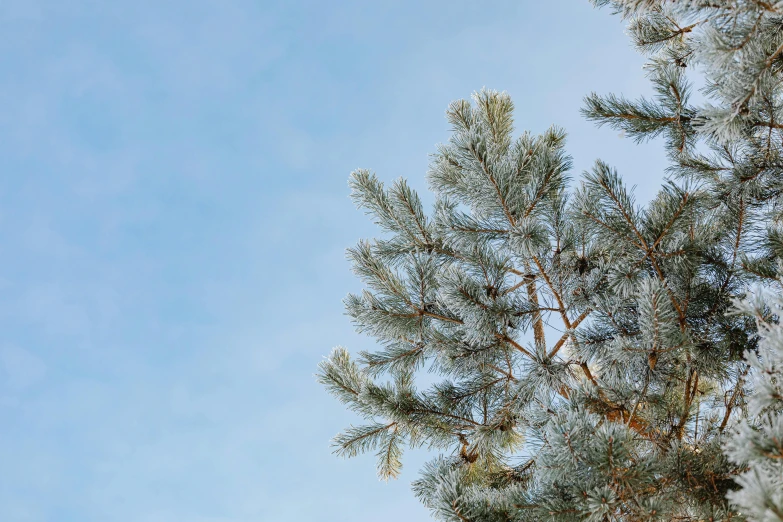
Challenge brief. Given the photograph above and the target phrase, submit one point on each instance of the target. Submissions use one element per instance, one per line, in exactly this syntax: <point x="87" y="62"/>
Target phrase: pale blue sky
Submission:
<point x="173" y="219"/>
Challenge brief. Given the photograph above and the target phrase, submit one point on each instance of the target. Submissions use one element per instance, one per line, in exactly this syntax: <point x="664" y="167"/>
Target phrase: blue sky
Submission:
<point x="174" y="215"/>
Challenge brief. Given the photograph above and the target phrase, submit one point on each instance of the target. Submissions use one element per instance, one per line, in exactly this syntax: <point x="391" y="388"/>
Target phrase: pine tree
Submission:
<point x="592" y="366"/>
<point x="758" y="441"/>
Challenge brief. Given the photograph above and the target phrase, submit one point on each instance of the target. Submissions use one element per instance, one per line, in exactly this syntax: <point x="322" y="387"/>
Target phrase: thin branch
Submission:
<point x="639" y="400"/>
<point x="555" y="293"/>
<point x="568" y="334"/>
<point x="730" y="404"/>
<point x="514" y="344"/>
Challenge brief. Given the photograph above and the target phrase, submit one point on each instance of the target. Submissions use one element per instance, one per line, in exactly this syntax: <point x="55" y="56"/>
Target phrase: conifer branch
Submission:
<point x="440" y="317"/>
<point x="493" y="181"/>
<point x="458" y="512"/>
<point x="344" y="445"/>
<point x="734" y="396"/>
<point x="538" y="322"/>
<point x="639" y="400"/>
<point x="513" y="343"/>
<point x="752" y="91"/>
<point x="660" y="277"/>
<point x="571" y="327"/>
<point x="561" y="305"/>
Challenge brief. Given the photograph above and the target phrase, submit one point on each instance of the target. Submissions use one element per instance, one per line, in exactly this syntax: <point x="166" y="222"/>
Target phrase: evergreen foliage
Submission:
<point x="758" y="441"/>
<point x="623" y="413"/>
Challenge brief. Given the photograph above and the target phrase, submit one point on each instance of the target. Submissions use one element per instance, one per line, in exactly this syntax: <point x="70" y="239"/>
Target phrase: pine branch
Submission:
<point x="570" y="326"/>
<point x="734" y="396"/>
<point x="513" y="343"/>
<point x="538" y="322"/>
<point x="561" y="305"/>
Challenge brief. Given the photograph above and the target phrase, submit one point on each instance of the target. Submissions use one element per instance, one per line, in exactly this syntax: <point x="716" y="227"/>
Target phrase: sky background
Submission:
<point x="173" y="221"/>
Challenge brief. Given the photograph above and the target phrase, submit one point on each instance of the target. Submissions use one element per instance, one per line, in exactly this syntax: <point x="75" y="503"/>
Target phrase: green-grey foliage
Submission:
<point x="622" y="414"/>
<point x="757" y="441"/>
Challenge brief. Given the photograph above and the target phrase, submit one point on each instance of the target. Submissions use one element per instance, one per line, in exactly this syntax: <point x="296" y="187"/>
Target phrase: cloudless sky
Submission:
<point x="173" y="220"/>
